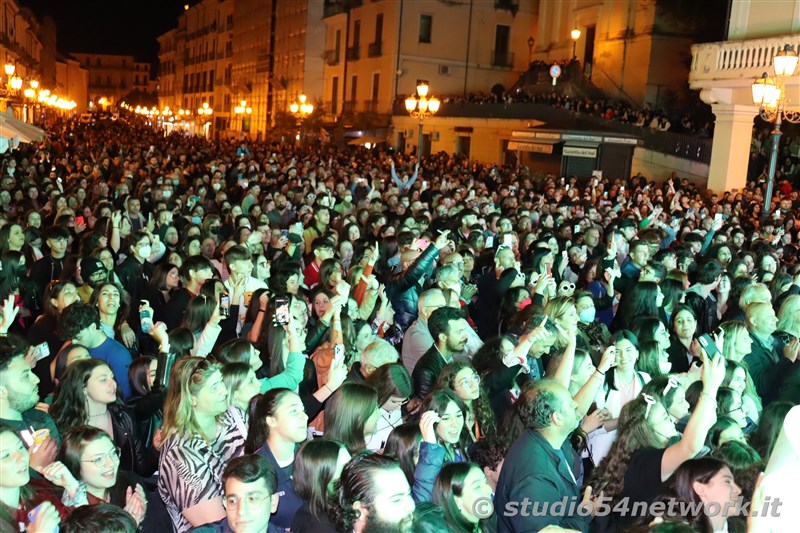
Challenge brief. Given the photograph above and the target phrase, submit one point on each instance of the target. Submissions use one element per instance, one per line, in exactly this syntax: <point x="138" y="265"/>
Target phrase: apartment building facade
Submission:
<point x="225" y="52"/>
<point x="379" y="50"/>
<point x="112" y="77"/>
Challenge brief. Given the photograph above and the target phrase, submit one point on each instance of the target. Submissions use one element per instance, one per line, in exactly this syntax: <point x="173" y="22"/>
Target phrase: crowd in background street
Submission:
<point x="229" y="335"/>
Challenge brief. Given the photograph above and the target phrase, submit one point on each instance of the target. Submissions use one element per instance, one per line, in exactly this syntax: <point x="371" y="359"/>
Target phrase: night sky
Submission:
<point x="110" y="26"/>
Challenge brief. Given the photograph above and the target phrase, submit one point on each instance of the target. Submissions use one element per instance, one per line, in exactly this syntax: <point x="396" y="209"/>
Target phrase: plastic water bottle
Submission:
<point x="146" y="320"/>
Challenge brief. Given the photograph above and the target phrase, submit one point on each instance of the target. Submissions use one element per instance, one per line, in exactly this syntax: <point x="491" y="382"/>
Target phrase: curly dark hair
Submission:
<point x="481" y="408"/>
<point x="488" y="452"/>
<point x="633" y="434"/>
<point x="357" y="484"/>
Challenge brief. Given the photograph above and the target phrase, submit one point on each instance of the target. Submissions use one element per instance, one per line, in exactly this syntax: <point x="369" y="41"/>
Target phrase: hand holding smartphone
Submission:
<point x="282" y="311"/>
<point x="708" y="344"/>
<point x="224" y="305"/>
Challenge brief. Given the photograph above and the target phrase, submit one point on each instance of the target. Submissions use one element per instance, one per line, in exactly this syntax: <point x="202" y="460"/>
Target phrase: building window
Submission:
<point x="356" y="34"/>
<point x="502" y="37"/>
<point x="335" y="95"/>
<point x="379" y="28"/>
<point x="376" y="84"/>
<point x="353" y="89"/>
<point x="337" y="47"/>
<point x="425" y="28"/>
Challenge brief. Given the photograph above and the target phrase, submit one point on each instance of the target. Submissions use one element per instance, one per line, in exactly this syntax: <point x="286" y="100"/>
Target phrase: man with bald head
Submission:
<point x="418" y="339"/>
<point x="755" y="292"/>
<point x="540" y="464"/>
<point x="768" y="364"/>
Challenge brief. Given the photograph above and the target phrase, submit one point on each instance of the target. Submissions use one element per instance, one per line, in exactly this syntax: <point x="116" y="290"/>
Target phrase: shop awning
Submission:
<point x="541" y="146"/>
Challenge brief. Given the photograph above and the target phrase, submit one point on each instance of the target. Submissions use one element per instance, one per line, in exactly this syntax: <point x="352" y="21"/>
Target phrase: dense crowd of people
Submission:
<point x="189" y="327"/>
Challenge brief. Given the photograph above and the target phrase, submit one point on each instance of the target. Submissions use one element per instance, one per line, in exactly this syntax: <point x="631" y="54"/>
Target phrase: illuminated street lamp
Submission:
<point x="301" y="109"/>
<point x="421" y="108"/>
<point x="242" y="108"/>
<point x="770" y="95"/>
<point x="205" y="110"/>
<point x="10" y="69"/>
<point x="575" y="34"/>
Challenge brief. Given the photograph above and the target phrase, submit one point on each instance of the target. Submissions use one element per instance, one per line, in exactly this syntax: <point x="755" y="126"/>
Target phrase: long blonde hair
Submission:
<point x="556" y="309"/>
<point x="187" y="378"/>
<point x="732" y="330"/>
<point x="787" y="315"/>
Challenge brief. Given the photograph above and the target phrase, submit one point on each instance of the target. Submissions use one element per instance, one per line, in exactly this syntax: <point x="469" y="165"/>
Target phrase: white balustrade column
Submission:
<point x="730" y="153"/>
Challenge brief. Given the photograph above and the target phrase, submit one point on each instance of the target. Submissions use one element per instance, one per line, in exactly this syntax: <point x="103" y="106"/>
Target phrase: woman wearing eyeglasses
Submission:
<point x="461" y="378"/>
<point x="200" y="434"/>
<point x="88" y="469"/>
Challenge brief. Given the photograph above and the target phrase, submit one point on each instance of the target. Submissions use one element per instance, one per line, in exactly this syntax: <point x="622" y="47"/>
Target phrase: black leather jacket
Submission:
<point x="132" y="450"/>
<point x="147" y="416"/>
<point x="426" y="372"/>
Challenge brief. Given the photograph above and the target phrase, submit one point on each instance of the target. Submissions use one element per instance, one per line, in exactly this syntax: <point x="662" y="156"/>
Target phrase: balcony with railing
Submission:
<point x="682" y="145"/>
<point x="735" y="63"/>
<point x="331" y="58"/>
<point x="502" y="59"/>
<point x="353" y="53"/>
<point x="371" y="106"/>
<point x="375" y="49"/>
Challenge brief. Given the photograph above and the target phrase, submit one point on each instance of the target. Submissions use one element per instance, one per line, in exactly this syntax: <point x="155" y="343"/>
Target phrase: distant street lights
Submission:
<point x="244" y="111"/>
<point x="770" y="95"/>
<point x="421" y="108"/>
<point x="575" y="34"/>
<point x="531" y="41"/>
<point x="301" y="109"/>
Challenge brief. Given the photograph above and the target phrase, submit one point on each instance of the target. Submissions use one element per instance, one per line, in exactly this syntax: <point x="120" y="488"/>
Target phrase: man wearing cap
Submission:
<point x="93" y="273"/>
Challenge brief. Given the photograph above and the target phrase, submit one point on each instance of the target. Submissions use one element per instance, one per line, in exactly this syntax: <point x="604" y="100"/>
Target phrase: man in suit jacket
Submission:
<point x="768" y="366"/>
<point x="537" y="472"/>
<point x="449" y="330"/>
